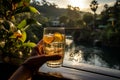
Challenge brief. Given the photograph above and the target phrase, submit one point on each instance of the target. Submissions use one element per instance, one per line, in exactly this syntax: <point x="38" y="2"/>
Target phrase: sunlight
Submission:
<point x="78" y="3"/>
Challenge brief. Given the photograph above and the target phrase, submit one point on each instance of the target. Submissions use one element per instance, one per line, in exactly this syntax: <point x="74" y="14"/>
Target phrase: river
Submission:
<point x="99" y="56"/>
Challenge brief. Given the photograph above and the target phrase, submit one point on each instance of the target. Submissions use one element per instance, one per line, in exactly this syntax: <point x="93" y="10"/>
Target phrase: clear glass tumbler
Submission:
<point x="54" y="43"/>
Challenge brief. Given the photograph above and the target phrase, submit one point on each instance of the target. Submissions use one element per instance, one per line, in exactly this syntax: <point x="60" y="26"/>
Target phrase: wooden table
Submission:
<point x="80" y="71"/>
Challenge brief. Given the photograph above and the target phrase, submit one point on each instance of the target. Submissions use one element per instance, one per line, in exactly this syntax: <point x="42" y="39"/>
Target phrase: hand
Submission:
<point x="38" y="58"/>
<point x="32" y="64"/>
<point x="38" y="49"/>
<point x="35" y="62"/>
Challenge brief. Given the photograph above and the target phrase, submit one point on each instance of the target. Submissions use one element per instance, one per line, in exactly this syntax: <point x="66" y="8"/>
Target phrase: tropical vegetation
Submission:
<point x="14" y="46"/>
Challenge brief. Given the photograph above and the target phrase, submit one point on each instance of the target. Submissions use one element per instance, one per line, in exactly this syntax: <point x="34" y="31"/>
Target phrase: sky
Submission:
<point x="82" y="4"/>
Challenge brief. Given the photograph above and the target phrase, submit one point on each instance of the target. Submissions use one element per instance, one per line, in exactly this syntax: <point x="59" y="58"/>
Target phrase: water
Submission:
<point x="90" y="54"/>
<point x="98" y="56"/>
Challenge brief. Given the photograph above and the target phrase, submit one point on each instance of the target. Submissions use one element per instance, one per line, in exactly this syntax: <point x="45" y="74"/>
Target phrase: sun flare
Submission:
<point x="78" y="3"/>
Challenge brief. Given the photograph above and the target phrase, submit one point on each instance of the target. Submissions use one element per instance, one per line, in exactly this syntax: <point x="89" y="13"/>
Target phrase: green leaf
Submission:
<point x="22" y="24"/>
<point x="26" y="9"/>
<point x="29" y="44"/>
<point x="25" y="23"/>
<point x="34" y="10"/>
<point x="24" y="36"/>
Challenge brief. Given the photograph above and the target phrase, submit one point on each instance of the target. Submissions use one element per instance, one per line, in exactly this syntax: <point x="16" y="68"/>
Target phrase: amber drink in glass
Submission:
<point x="54" y="43"/>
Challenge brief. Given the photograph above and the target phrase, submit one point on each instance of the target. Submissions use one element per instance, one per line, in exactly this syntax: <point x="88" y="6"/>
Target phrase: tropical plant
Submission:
<point x="94" y="6"/>
<point x="13" y="45"/>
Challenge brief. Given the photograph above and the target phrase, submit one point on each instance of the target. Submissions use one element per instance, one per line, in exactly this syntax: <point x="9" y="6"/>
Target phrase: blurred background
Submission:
<point x="93" y="24"/>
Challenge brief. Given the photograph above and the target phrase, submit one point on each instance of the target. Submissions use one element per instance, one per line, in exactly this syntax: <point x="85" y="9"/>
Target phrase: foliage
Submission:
<point x="94" y="5"/>
<point x="87" y="17"/>
<point x="72" y="18"/>
<point x="48" y="9"/>
<point x="14" y="46"/>
<point x="111" y="18"/>
<point x="34" y="31"/>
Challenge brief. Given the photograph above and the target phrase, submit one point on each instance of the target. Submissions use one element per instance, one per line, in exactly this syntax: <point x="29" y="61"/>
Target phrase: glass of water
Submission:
<point x="54" y="43"/>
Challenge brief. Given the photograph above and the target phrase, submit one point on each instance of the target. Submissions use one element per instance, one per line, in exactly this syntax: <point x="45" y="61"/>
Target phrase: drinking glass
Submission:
<point x="54" y="43"/>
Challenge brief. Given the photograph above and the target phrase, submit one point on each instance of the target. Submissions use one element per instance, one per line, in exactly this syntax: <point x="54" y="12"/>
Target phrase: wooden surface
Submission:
<point x="78" y="72"/>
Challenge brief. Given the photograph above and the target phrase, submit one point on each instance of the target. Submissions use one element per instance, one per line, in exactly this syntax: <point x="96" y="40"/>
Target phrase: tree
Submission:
<point x="106" y="6"/>
<point x="72" y="17"/>
<point x="63" y="19"/>
<point x="111" y="18"/>
<point x="73" y="12"/>
<point x="94" y="6"/>
<point x="87" y="17"/>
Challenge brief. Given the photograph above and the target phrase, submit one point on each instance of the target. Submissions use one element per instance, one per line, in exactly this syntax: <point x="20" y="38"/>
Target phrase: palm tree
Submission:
<point x="94" y="6"/>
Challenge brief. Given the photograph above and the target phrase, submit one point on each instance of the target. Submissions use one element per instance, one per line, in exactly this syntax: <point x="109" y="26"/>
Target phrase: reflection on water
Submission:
<point x="102" y="57"/>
